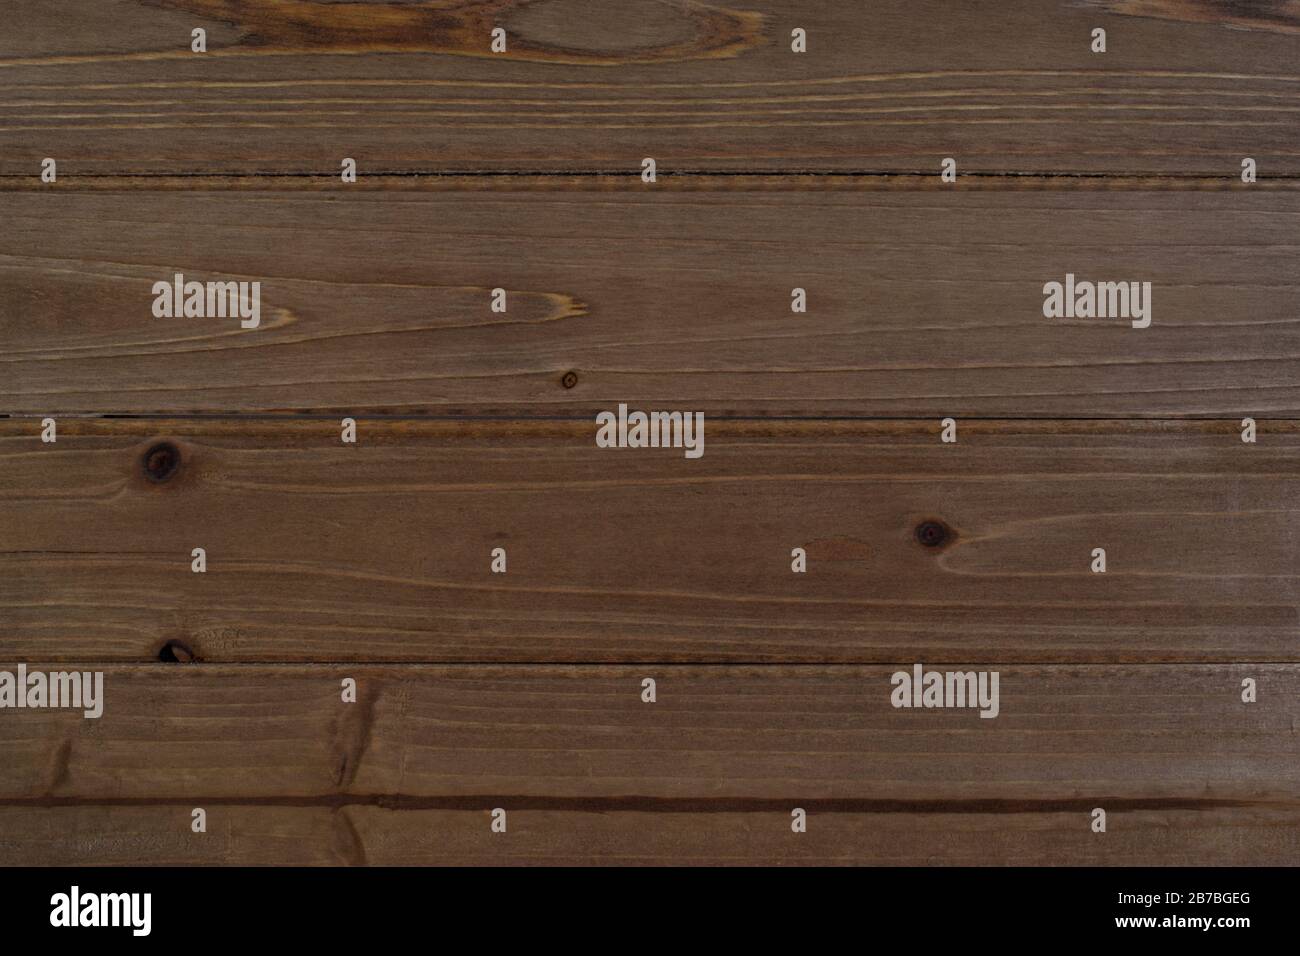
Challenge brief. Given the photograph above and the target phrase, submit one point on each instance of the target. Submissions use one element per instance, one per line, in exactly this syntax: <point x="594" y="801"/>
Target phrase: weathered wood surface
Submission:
<point x="708" y="774"/>
<point x="320" y="551"/>
<point x="242" y="835"/>
<point x="1155" y="736"/>
<point x="1186" y="87"/>
<point x="777" y="170"/>
<point x="919" y="303"/>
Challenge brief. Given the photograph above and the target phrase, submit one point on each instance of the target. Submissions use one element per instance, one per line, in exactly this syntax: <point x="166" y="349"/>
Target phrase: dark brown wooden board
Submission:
<point x="751" y="738"/>
<point x="776" y="170"/>
<point x="320" y="551"/>
<point x="709" y="773"/>
<point x="920" y="303"/>
<point x="1186" y="87"/>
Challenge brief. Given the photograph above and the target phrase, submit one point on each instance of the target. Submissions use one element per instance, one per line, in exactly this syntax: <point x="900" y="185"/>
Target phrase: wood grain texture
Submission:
<point x="740" y="739"/>
<point x="919" y="303"/>
<point x="707" y="775"/>
<point x="239" y="835"/>
<point x="320" y="551"/>
<point x="523" y="691"/>
<point x="1187" y="87"/>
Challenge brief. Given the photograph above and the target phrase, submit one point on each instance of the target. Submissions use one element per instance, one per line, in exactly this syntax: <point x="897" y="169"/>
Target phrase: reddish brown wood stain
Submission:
<point x="456" y="27"/>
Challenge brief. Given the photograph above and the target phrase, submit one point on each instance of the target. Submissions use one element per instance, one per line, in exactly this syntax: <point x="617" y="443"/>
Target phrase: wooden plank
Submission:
<point x="320" y="551"/>
<point x="1154" y="737"/>
<point x="290" y="86"/>
<point x="919" y="303"/>
<point x="85" y="836"/>
<point x="316" y="836"/>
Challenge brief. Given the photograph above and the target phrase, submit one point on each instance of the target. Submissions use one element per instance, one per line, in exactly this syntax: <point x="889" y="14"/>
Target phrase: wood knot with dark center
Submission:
<point x="161" y="461"/>
<point x="934" y="534"/>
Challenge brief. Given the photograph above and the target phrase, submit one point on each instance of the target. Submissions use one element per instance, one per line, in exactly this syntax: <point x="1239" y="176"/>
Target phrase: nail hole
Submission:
<point x="933" y="534"/>
<point x="569" y="380"/>
<point x="174" y="652"/>
<point x="161" y="461"/>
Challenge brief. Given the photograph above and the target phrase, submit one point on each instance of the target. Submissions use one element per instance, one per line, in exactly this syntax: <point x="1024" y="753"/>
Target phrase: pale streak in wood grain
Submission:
<point x="319" y="551"/>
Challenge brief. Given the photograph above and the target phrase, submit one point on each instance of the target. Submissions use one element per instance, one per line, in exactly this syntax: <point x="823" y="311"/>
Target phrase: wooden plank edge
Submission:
<point x="686" y="181"/>
<point x="440" y="427"/>
<point x="252" y="835"/>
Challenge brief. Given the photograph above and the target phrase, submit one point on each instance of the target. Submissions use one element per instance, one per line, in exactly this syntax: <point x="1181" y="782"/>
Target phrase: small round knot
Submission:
<point x="161" y="461"/>
<point x="569" y="379"/>
<point x="933" y="534"/>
